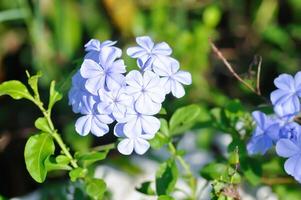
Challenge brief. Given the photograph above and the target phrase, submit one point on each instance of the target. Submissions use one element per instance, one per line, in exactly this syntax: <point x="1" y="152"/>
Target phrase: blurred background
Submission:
<point x="48" y="36"/>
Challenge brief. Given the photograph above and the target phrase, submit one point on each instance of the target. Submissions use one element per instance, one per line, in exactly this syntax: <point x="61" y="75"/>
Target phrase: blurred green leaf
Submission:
<point x="62" y="159"/>
<point x="145" y="188"/>
<point x="165" y="197"/>
<point x="96" y="188"/>
<point x="15" y="89"/>
<point x="211" y="16"/>
<point x="37" y="149"/>
<point x="159" y="141"/>
<point x="183" y="119"/>
<point x="77" y="173"/>
<point x="88" y="158"/>
<point x="166" y="177"/>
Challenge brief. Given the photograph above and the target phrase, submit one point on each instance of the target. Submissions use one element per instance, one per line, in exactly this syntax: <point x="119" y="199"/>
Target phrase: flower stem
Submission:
<point x="55" y="135"/>
<point x="192" y="182"/>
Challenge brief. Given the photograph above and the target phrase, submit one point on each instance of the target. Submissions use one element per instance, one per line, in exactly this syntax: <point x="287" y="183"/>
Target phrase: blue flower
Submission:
<point x="107" y="74"/>
<point x="291" y="149"/>
<point x="146" y="90"/>
<point x="92" y="121"/>
<point x="76" y="92"/>
<point x="149" y="53"/>
<point x="173" y="78"/>
<point x="93" y="48"/>
<point x="266" y="132"/>
<point x="138" y="123"/>
<point x="290" y="131"/>
<point x="114" y="102"/>
<point x="132" y="141"/>
<point x="286" y="98"/>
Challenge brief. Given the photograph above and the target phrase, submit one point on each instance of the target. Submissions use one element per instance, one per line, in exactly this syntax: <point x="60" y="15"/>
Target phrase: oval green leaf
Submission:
<point x="37" y="149"/>
<point x="15" y="89"/>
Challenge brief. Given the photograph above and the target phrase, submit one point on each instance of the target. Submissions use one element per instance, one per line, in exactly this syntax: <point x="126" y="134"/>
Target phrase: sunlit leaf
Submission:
<point x="37" y="149"/>
<point x="15" y="89"/>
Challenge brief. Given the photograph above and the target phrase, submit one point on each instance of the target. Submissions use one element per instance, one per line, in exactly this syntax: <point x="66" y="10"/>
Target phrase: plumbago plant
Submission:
<point x="103" y="93"/>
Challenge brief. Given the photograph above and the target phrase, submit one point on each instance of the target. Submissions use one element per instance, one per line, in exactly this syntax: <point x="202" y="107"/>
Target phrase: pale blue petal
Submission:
<point x="286" y="148"/>
<point x="141" y="146"/>
<point x="118" y="130"/>
<point x="126" y="146"/>
<point x="90" y="69"/>
<point x="285" y="82"/>
<point x="145" y="42"/>
<point x="177" y="89"/>
<point x="183" y="77"/>
<point x="162" y="48"/>
<point x="136" y="52"/>
<point x="83" y="125"/>
<point x="98" y="128"/>
<point x="150" y="124"/>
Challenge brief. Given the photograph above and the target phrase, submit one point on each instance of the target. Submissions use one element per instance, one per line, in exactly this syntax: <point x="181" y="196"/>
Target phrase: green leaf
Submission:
<point x="77" y="173"/>
<point x="165" y="197"/>
<point x="33" y="82"/>
<point x="54" y="97"/>
<point x="96" y="188"/>
<point x="15" y="89"/>
<point x="145" y="188"/>
<point x="164" y="126"/>
<point x="211" y="16"/>
<point x="166" y="177"/>
<point x="42" y="124"/>
<point x="37" y="149"/>
<point x="62" y="159"/>
<point x="51" y="164"/>
<point x="213" y="171"/>
<point x="88" y="158"/>
<point x="183" y="119"/>
<point x="159" y="141"/>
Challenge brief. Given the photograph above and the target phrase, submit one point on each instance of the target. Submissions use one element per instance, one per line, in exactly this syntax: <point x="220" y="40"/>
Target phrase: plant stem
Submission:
<point x="191" y="179"/>
<point x="55" y="135"/>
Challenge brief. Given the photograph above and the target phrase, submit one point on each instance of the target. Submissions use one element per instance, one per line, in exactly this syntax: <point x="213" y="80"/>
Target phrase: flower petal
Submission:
<point x="90" y="69"/>
<point x="83" y="125"/>
<point x="162" y="48"/>
<point x="286" y="148"/>
<point x="126" y="146"/>
<point x="177" y="89"/>
<point x="183" y="77"/>
<point x="136" y="52"/>
<point x="141" y="146"/>
<point x="145" y="42"/>
<point x="150" y="124"/>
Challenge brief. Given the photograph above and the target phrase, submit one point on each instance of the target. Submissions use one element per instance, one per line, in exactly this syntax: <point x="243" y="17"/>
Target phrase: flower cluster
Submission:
<point x="281" y="128"/>
<point x="102" y="92"/>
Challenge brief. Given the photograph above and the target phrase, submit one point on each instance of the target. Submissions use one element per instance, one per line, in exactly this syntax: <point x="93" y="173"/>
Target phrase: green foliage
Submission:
<point x="42" y="124"/>
<point x="145" y="188"/>
<point x="88" y="158"/>
<point x="33" y="83"/>
<point x="15" y="89"/>
<point x="183" y="119"/>
<point x="77" y="173"/>
<point x="166" y="177"/>
<point x="165" y="197"/>
<point x="54" y="95"/>
<point x="37" y="150"/>
<point x="96" y="188"/>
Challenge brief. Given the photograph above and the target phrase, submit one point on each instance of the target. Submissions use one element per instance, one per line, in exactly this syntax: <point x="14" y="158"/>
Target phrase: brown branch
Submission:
<point x="278" y="180"/>
<point x="230" y="68"/>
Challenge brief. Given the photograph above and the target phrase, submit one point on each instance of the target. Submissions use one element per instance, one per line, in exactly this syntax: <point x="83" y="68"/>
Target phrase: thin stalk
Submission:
<point x="55" y="135"/>
<point x="191" y="179"/>
<point x="230" y="68"/>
